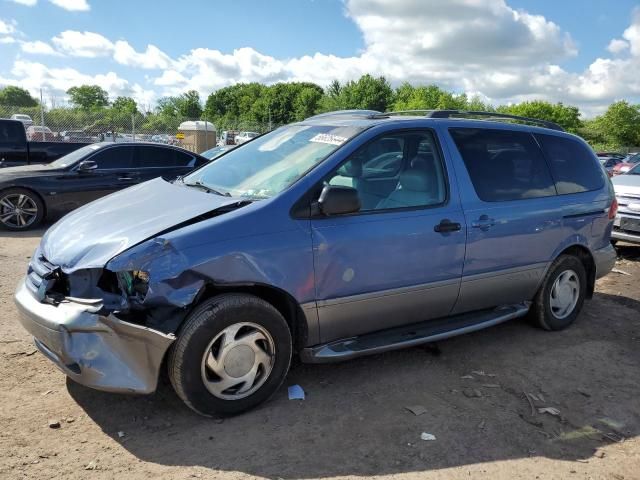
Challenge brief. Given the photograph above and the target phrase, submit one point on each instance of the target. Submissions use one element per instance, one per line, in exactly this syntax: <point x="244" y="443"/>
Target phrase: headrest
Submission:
<point x="351" y="169"/>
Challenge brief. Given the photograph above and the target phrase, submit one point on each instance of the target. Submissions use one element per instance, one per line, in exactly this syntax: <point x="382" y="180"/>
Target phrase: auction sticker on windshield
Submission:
<point x="328" y="138"/>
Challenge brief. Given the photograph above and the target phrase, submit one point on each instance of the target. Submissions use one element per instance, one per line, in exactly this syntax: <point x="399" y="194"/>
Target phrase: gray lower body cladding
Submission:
<point x="102" y="352"/>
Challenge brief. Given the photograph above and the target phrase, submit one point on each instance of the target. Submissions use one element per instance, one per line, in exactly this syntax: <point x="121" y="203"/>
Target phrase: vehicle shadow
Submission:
<point x="354" y="421"/>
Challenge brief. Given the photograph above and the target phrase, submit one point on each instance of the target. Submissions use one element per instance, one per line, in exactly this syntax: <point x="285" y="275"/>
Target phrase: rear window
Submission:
<point x="503" y="165"/>
<point x="11" y="133"/>
<point x="155" y="157"/>
<point x="572" y="164"/>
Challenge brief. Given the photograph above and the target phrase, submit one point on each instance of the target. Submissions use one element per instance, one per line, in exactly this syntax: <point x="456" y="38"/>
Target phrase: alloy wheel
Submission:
<point x="18" y="210"/>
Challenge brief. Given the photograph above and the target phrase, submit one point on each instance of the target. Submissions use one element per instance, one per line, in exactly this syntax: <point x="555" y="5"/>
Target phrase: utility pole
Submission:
<point x="42" y="115"/>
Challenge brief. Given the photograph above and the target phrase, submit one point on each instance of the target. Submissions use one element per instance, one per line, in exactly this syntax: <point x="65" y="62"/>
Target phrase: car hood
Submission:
<point x="27" y="170"/>
<point x="625" y="184"/>
<point x="93" y="234"/>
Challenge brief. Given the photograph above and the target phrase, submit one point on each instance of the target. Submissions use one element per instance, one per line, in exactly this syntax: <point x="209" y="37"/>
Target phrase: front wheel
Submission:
<point x="562" y="294"/>
<point x="20" y="209"/>
<point x="232" y="354"/>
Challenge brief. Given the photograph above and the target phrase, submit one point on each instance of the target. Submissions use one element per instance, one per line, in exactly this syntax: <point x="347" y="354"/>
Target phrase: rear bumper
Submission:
<point x="101" y="352"/>
<point x="604" y="259"/>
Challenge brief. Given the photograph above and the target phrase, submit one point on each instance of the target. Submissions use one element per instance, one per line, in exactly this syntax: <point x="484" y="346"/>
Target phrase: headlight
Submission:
<point x="134" y="283"/>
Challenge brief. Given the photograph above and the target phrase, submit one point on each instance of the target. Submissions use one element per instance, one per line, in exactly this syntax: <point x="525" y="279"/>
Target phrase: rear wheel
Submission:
<point x="562" y="294"/>
<point x="20" y="209"/>
<point x="232" y="354"/>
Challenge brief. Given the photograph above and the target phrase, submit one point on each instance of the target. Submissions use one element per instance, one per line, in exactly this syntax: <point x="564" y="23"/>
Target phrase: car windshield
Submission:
<point x="214" y="152"/>
<point x="270" y="164"/>
<point x="73" y="157"/>
<point x="635" y="170"/>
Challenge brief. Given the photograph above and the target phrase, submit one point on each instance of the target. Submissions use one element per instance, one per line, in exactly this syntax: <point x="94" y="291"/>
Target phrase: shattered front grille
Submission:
<point x="39" y="271"/>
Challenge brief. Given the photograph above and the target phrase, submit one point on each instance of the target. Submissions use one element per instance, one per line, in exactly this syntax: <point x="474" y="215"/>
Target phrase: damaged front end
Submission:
<point x="84" y="322"/>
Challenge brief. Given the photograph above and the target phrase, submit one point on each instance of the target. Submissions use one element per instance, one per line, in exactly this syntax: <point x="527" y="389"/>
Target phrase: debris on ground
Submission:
<point x="54" y="424"/>
<point x="467" y="377"/>
<point x="416" y="409"/>
<point x="621" y="272"/>
<point x="472" y="393"/>
<point x="550" y="410"/>
<point x="91" y="466"/>
<point x="427" y="436"/>
<point x="296" y="392"/>
<point x="47" y="392"/>
<point x="481" y="373"/>
<point x="121" y="434"/>
<point x="70" y="420"/>
<point x="583" y="392"/>
<point x="481" y="425"/>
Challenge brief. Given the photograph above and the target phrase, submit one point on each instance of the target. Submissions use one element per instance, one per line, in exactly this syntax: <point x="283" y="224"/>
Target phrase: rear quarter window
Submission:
<point x="572" y="163"/>
<point x="11" y="133"/>
<point x="503" y="165"/>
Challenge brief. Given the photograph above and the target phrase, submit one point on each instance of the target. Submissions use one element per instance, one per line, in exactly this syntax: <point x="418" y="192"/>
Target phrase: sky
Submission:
<point x="579" y="52"/>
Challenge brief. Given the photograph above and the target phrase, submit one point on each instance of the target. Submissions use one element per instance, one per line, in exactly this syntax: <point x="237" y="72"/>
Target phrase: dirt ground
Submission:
<point x="353" y="422"/>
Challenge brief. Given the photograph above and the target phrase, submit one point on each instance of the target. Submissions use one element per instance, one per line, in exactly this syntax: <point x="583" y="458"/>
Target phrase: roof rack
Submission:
<point x="492" y="115"/>
<point x="348" y="113"/>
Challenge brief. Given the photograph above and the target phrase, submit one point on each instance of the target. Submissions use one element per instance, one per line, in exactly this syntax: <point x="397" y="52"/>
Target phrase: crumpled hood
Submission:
<point x="93" y="234"/>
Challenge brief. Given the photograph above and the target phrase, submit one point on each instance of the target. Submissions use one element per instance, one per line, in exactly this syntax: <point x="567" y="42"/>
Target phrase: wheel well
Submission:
<point x="31" y="190"/>
<point x="279" y="299"/>
<point x="583" y="254"/>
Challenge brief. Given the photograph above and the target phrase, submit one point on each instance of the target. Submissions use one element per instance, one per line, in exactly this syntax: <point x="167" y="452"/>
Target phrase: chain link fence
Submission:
<point x="77" y="125"/>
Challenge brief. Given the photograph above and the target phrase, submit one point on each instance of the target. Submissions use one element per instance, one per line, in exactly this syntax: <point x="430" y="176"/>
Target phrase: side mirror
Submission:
<point x="339" y="200"/>
<point x="87" y="166"/>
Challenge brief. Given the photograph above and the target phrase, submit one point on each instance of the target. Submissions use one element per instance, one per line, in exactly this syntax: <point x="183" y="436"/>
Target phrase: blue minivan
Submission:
<point x="347" y="234"/>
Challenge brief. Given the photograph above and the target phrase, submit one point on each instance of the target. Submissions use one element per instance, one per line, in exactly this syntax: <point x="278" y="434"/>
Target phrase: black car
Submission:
<point x="30" y="193"/>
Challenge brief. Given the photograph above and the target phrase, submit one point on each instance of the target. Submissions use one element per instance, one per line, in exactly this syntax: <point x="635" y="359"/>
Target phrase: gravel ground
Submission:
<point x="480" y="394"/>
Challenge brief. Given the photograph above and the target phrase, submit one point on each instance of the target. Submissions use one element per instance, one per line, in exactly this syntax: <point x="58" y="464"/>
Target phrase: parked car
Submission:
<point x="344" y="235"/>
<point x="227" y="137"/>
<point x="22" y="118"/>
<point x="36" y="133"/>
<point x="626" y="226"/>
<point x="15" y="150"/>
<point x="29" y="194"/>
<point x="76" y="136"/>
<point x="629" y="162"/>
<point x="244" y="137"/>
<point x="609" y="163"/>
<point x="215" y="152"/>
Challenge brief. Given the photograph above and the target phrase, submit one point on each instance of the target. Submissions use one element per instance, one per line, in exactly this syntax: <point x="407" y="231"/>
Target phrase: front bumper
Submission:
<point x="101" y="352"/>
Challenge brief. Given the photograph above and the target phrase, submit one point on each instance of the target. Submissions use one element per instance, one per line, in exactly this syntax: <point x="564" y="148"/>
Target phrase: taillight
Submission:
<point x="613" y="209"/>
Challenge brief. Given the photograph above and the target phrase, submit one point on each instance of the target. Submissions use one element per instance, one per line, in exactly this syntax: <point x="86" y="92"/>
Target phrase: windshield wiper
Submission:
<point x="202" y="186"/>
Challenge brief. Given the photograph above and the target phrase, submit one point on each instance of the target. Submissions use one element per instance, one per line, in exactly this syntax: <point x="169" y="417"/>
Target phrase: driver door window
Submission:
<point x="394" y="171"/>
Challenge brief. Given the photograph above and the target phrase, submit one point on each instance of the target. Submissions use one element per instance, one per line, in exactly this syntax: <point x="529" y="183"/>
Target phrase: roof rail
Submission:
<point x="347" y="113"/>
<point x="494" y="116"/>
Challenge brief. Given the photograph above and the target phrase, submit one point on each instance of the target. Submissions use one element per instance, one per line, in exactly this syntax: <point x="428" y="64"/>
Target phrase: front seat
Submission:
<point x="413" y="190"/>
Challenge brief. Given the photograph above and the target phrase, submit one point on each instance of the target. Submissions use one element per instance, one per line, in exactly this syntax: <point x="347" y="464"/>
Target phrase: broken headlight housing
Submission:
<point x="134" y="283"/>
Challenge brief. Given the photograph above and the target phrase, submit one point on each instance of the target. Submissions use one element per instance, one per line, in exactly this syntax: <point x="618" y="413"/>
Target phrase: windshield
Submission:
<point x="214" y="152"/>
<point x="270" y="164"/>
<point x="635" y="170"/>
<point x="74" y="156"/>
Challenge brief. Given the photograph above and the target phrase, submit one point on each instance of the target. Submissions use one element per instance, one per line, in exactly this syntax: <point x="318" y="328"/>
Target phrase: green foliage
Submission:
<point x="367" y="93"/>
<point x="567" y="116"/>
<point x="619" y="126"/>
<point x="189" y="105"/>
<point x="125" y="105"/>
<point x="16" y="97"/>
<point x="88" y="97"/>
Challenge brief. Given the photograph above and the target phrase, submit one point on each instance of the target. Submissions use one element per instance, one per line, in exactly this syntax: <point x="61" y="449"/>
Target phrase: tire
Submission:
<point x="216" y="347"/>
<point x="30" y="209"/>
<point x="556" y="310"/>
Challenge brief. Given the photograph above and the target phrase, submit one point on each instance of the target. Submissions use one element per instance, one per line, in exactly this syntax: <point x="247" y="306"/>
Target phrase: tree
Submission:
<point x="16" y="97"/>
<point x="189" y="104"/>
<point x="88" y="97"/>
<point x="366" y="93"/>
<point x="125" y="105"/>
<point x="566" y="116"/>
<point x="620" y="124"/>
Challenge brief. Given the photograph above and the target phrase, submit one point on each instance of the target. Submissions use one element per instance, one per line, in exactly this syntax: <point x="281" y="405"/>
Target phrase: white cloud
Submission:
<point x="7" y="40"/>
<point x="71" y="5"/>
<point x="617" y="46"/>
<point x="38" y="48"/>
<point x="28" y="3"/>
<point x="152" y="58"/>
<point x="7" y="27"/>
<point x="83" y="44"/>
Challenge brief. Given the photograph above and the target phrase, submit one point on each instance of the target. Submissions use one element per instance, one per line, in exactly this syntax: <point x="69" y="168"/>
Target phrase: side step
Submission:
<point x="410" y="335"/>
